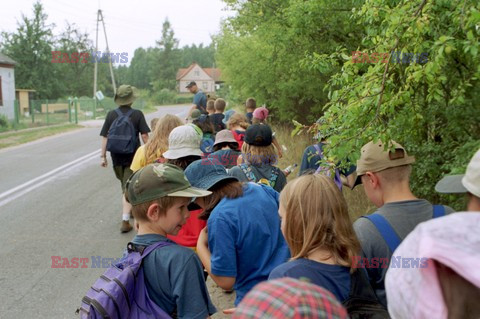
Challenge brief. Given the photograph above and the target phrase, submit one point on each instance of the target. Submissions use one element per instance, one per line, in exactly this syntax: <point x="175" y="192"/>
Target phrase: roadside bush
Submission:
<point x="164" y="96"/>
<point x="4" y="123"/>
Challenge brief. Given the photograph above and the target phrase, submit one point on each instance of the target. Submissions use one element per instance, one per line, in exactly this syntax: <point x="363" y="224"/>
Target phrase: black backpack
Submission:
<point x="362" y="303"/>
<point x="122" y="136"/>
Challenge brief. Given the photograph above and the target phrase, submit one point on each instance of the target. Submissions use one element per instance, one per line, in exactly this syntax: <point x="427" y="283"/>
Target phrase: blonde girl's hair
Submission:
<point x="316" y="217"/>
<point x="158" y="143"/>
<point x="237" y="119"/>
<point x="259" y="155"/>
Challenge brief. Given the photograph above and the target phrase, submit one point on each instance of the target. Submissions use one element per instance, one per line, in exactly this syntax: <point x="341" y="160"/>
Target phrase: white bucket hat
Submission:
<point x="468" y="182"/>
<point x="183" y="141"/>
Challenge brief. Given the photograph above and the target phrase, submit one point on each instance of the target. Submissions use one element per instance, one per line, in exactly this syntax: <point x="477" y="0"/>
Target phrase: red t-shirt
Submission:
<point x="239" y="136"/>
<point x="188" y="235"/>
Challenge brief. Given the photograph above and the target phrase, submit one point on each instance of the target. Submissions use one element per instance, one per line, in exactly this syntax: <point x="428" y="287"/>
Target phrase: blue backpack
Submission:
<point x="388" y="233"/>
<point x="122" y="136"/>
<point x="326" y="171"/>
<point x="247" y="170"/>
<point x="206" y="145"/>
<point x="121" y="291"/>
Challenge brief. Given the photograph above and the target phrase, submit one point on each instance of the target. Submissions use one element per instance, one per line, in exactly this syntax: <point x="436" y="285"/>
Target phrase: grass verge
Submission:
<point x="13" y="138"/>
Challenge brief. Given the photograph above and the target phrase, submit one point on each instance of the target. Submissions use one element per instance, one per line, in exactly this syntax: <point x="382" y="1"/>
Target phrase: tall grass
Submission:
<point x="358" y="203"/>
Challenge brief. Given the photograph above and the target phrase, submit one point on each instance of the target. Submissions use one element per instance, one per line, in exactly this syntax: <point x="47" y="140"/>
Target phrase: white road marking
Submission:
<point x="27" y="187"/>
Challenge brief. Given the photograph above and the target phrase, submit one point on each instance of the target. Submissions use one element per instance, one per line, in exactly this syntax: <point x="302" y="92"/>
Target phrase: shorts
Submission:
<point x="123" y="173"/>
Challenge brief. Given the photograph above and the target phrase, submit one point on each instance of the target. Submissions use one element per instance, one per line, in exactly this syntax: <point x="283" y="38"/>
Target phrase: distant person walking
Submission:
<point x="199" y="99"/>
<point x="120" y="137"/>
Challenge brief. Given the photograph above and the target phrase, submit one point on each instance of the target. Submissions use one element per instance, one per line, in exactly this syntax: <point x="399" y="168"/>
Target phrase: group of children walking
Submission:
<point x="230" y="214"/>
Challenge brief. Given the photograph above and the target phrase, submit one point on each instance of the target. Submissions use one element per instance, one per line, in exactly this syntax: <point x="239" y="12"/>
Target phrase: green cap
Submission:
<point x="195" y="115"/>
<point x="125" y="95"/>
<point x="159" y="180"/>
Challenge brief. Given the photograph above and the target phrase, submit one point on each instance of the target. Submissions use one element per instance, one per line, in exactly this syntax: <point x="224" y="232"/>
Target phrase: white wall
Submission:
<point x="8" y="92"/>
<point x="203" y="80"/>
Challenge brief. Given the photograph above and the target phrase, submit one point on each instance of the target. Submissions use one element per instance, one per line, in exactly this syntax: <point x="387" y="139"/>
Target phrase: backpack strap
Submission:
<point x="119" y="113"/>
<point x="385" y="229"/>
<point x="318" y="149"/>
<point x="438" y="211"/>
<point x="274" y="177"/>
<point x="247" y="170"/>
<point x="145" y="250"/>
<point x="319" y="153"/>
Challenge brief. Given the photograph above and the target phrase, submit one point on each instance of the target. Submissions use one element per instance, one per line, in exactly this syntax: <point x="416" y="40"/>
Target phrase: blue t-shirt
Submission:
<point x="334" y="278"/>
<point x="227" y="158"/>
<point x="311" y="161"/>
<point x="249" y="117"/>
<point x="174" y="279"/>
<point x="217" y="120"/>
<point x="244" y="237"/>
<point x="200" y="100"/>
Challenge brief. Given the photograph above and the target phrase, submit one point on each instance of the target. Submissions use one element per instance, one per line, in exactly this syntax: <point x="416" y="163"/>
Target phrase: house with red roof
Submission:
<point x="207" y="79"/>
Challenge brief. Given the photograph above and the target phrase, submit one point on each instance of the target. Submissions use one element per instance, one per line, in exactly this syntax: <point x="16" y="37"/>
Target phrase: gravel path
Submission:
<point x="220" y="299"/>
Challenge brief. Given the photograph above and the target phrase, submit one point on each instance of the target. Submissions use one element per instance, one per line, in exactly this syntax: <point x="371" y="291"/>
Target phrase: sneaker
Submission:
<point x="126" y="227"/>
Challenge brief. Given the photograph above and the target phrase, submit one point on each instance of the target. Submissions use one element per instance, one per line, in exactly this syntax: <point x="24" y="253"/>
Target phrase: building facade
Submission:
<point x="207" y="79"/>
<point x="7" y="86"/>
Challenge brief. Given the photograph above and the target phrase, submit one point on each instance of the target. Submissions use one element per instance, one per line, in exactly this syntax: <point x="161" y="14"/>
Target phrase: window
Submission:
<point x="197" y="73"/>
<point x="1" y="96"/>
<point x="205" y="85"/>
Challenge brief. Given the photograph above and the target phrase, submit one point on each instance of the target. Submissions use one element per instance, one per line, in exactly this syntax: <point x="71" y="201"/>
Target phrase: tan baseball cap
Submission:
<point x="375" y="158"/>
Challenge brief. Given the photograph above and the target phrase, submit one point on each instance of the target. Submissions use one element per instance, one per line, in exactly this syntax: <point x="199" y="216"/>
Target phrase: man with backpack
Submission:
<point x="199" y="99"/>
<point x="120" y="137"/>
<point x="384" y="171"/>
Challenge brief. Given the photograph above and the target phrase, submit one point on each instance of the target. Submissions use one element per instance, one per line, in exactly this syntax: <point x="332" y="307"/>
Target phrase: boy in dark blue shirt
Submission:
<point x="250" y="105"/>
<point x="217" y="118"/>
<point x="160" y="194"/>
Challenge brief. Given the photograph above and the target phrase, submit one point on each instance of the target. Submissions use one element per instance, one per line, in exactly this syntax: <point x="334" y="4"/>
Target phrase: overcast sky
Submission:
<point x="130" y="24"/>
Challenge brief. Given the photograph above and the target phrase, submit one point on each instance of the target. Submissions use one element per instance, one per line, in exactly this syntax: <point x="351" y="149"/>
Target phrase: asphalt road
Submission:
<point x="56" y="200"/>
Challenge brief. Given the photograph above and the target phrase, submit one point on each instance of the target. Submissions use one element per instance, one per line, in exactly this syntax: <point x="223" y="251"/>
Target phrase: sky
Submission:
<point x="129" y="24"/>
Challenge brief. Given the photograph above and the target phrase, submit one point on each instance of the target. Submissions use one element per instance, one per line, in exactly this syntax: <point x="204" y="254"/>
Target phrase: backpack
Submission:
<point x="247" y="170"/>
<point x="388" y="233"/>
<point x="323" y="170"/>
<point x="122" y="136"/>
<point x="362" y="303"/>
<point x="121" y="291"/>
<point x="206" y="145"/>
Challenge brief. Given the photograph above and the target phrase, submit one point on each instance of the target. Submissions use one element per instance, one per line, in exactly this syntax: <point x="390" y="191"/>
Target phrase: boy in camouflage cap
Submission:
<point x="160" y="194"/>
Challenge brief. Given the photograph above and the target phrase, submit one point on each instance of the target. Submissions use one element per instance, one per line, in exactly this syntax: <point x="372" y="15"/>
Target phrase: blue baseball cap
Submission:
<point x="205" y="173"/>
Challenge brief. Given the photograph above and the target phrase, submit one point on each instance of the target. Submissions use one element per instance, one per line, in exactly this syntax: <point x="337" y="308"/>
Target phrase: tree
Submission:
<point x="167" y="59"/>
<point x="262" y="51"/>
<point x="203" y="55"/>
<point x="75" y="78"/>
<point x="431" y="107"/>
<point x="142" y="69"/>
<point x="31" y="46"/>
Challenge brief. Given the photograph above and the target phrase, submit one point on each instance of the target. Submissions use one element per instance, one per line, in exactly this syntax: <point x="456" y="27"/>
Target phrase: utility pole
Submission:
<point x="96" y="58"/>
<point x="96" y="66"/>
<point x="109" y="56"/>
